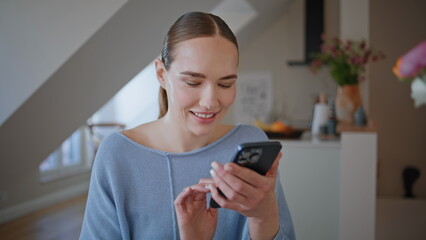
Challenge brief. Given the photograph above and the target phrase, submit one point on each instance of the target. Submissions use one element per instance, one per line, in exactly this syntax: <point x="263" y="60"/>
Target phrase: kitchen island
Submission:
<point x="330" y="185"/>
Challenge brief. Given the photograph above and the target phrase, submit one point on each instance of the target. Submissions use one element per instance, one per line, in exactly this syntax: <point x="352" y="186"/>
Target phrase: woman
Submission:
<point x="151" y="182"/>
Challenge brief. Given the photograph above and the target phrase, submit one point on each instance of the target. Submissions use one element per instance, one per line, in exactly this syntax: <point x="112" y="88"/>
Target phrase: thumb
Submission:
<point x="213" y="211"/>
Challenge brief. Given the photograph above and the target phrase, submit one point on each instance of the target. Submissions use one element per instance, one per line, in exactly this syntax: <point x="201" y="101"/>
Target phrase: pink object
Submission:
<point x="413" y="61"/>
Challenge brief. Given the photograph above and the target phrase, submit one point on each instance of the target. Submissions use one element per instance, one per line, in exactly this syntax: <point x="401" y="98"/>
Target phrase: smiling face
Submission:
<point x="200" y="84"/>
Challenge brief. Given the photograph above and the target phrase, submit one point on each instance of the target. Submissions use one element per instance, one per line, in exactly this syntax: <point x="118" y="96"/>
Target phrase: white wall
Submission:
<point x="395" y="27"/>
<point x="391" y="27"/>
<point x="37" y="37"/>
<point x="88" y="78"/>
<point x="294" y="87"/>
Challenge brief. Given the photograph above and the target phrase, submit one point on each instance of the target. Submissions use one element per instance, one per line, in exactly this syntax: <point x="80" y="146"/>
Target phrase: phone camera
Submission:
<point x="250" y="156"/>
<point x="254" y="157"/>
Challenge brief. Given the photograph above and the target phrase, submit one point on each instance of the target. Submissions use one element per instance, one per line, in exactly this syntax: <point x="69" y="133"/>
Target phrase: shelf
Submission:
<point x="371" y="127"/>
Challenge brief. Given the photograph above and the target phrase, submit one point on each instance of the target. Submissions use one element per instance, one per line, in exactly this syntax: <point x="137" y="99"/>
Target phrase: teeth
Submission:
<point x="201" y="115"/>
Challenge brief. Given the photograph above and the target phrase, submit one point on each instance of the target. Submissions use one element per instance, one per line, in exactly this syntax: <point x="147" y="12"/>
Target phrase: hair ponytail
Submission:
<point x="162" y="100"/>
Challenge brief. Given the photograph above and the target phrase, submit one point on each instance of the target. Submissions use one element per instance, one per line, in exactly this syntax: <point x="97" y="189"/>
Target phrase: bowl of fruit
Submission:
<point x="279" y="130"/>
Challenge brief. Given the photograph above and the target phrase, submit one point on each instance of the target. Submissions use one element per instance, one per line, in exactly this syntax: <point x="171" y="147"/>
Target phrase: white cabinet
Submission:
<point x="330" y="186"/>
<point x="309" y="174"/>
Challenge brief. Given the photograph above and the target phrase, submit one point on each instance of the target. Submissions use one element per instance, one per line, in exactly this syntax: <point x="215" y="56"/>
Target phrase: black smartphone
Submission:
<point x="257" y="156"/>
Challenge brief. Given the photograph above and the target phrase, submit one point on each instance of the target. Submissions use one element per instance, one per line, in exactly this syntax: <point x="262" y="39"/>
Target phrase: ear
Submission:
<point x="161" y="72"/>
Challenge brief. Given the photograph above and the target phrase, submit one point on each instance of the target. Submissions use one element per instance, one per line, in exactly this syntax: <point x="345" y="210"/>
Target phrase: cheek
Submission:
<point x="228" y="98"/>
<point x="183" y="97"/>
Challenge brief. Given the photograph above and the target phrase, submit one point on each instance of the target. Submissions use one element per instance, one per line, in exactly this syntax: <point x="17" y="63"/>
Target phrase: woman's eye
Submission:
<point x="192" y="84"/>
<point x="225" y="85"/>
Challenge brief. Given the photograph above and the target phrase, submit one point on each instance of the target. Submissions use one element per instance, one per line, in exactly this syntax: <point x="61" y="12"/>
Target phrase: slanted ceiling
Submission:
<point x="130" y="40"/>
<point x="126" y="43"/>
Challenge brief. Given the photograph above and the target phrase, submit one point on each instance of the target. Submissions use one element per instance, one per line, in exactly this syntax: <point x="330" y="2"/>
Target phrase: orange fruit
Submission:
<point x="278" y="126"/>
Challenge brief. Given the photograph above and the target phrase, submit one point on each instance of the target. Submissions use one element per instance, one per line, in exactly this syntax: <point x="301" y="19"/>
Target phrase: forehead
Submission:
<point x="206" y="54"/>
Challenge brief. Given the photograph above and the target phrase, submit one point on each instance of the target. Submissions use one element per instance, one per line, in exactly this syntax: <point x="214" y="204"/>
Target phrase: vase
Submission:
<point x="418" y="91"/>
<point x="348" y="99"/>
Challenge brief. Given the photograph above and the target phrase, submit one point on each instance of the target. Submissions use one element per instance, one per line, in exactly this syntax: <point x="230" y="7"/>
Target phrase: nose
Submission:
<point x="209" y="98"/>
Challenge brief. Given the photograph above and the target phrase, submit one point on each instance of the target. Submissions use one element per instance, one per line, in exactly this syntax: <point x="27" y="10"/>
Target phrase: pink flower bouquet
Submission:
<point x="346" y="58"/>
<point x="412" y="67"/>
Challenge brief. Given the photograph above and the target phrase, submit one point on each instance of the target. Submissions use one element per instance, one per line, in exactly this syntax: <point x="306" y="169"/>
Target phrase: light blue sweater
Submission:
<point x="133" y="187"/>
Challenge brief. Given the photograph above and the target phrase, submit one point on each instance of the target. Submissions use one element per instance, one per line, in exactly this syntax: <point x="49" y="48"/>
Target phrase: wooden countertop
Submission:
<point x="370" y="127"/>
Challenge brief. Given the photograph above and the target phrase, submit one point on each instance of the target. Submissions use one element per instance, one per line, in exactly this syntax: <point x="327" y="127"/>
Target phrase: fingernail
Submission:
<point x="228" y="167"/>
<point x="214" y="165"/>
<point x="212" y="173"/>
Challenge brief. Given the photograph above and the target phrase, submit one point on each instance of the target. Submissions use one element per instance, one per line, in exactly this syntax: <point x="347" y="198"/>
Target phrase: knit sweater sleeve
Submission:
<point x="100" y="218"/>
<point x="286" y="231"/>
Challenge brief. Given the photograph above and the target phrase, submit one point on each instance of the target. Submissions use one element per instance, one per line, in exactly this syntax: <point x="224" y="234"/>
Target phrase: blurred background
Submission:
<point x="72" y="72"/>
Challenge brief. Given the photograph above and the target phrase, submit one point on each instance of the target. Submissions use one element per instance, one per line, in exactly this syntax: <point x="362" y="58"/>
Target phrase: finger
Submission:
<point x="182" y="198"/>
<point x="222" y="201"/>
<point x="198" y="193"/>
<point x="206" y="181"/>
<point x="274" y="168"/>
<point x="233" y="180"/>
<point x="200" y="188"/>
<point x="199" y="196"/>
<point x="214" y="212"/>
<point x="247" y="175"/>
<point x="234" y="188"/>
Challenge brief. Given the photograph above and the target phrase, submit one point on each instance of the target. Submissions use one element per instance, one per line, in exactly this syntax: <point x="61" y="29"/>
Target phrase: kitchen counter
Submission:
<point x="330" y="185"/>
<point x="311" y="142"/>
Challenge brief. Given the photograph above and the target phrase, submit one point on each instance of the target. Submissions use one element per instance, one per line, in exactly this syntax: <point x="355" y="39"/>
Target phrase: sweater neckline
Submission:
<point x="198" y="150"/>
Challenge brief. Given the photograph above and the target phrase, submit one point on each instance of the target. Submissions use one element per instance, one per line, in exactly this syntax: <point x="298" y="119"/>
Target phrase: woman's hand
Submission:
<point x="194" y="219"/>
<point x="249" y="193"/>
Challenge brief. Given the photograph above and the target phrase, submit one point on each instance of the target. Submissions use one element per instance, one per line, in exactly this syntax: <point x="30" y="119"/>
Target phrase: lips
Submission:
<point x="204" y="117"/>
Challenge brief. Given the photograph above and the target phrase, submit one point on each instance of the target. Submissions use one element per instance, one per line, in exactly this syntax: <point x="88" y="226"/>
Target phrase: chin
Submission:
<point x="203" y="130"/>
<point x="203" y="126"/>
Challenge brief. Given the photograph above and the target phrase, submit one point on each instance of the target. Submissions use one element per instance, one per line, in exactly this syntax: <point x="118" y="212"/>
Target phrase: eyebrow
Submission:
<point x="200" y="75"/>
